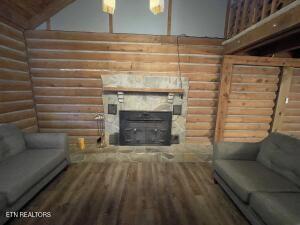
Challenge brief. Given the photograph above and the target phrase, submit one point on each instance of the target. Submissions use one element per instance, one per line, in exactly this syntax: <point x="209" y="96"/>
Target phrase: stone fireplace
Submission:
<point x="149" y="98"/>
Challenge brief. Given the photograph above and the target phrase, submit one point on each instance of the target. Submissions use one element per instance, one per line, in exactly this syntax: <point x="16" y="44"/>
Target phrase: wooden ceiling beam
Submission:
<point x="264" y="31"/>
<point x="9" y="16"/>
<point x="50" y="10"/>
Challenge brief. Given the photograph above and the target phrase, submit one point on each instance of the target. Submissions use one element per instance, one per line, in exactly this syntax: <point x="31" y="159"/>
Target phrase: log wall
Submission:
<point x="290" y="122"/>
<point x="16" y="98"/>
<point x="66" y="70"/>
<point x="258" y="95"/>
<point x="251" y="102"/>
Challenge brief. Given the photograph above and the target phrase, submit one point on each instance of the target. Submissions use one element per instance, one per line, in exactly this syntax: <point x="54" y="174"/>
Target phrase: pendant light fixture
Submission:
<point x="157" y="6"/>
<point x="108" y="6"/>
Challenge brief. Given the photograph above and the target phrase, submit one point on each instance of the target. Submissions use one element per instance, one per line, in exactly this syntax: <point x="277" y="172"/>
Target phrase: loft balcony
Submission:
<point x="262" y="27"/>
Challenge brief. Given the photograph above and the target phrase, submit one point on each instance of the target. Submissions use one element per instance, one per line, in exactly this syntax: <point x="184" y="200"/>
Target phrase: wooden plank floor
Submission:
<point x="134" y="194"/>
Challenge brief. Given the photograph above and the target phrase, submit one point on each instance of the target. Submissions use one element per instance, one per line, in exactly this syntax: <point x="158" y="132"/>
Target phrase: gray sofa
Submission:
<point x="27" y="163"/>
<point x="263" y="179"/>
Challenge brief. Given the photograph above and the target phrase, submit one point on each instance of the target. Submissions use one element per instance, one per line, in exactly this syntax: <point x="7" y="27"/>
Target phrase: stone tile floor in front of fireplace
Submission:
<point x="173" y="153"/>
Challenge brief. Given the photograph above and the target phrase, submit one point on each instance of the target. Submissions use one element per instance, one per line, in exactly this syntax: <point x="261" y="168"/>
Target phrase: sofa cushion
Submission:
<point x="277" y="208"/>
<point x="281" y="154"/>
<point x="11" y="139"/>
<point x="19" y="172"/>
<point x="245" y="177"/>
<point x="4" y="151"/>
<point x="3" y="202"/>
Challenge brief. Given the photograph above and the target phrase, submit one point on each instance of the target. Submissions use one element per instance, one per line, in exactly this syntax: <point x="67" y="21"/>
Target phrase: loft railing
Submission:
<point x="242" y="14"/>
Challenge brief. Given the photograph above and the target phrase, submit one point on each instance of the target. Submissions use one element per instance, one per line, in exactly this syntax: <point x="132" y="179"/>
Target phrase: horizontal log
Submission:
<point x="25" y="123"/>
<point x="13" y="44"/>
<point x="294" y="96"/>
<point x="72" y="132"/>
<point x="294" y="104"/>
<point x="68" y="100"/>
<point x="209" y="86"/>
<point x="116" y="56"/>
<point x="15" y="96"/>
<point x="245" y="134"/>
<point x="199" y="133"/>
<point x="251" y="103"/>
<point x="14" y="75"/>
<point x="202" y="94"/>
<point x="203" y="77"/>
<point x="121" y="47"/>
<point x="65" y="74"/>
<point x="199" y="140"/>
<point x="80" y="92"/>
<point x="123" y="66"/>
<point x="15" y="86"/>
<point x="295" y="88"/>
<point x="202" y="110"/>
<point x="200" y="126"/>
<point x="252" y="96"/>
<point x="292" y="112"/>
<point x="68" y="124"/>
<point x="66" y="82"/>
<point x="66" y="116"/>
<point x="136" y="38"/>
<point x="202" y="103"/>
<point x="253" y="88"/>
<point x="6" y="107"/>
<point x="255" y="79"/>
<point x="291" y="119"/>
<point x="290" y="126"/>
<point x="200" y="118"/>
<point x="11" y="32"/>
<point x="11" y="54"/>
<point x="17" y="115"/>
<point x="15" y="65"/>
<point x="256" y="70"/>
<point x="244" y="139"/>
<point x="249" y="111"/>
<point x="69" y="108"/>
<point x="247" y="126"/>
<point x="248" y="119"/>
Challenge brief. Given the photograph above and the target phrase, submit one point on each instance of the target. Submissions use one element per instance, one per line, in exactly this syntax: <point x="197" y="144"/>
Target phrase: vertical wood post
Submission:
<point x="224" y="93"/>
<point x="110" y="19"/>
<point x="228" y="18"/>
<point x="169" y="25"/>
<point x="284" y="88"/>
<point x="244" y="15"/>
<point x="253" y="12"/>
<point x="273" y="6"/>
<point x="237" y="18"/>
<point x="264" y="9"/>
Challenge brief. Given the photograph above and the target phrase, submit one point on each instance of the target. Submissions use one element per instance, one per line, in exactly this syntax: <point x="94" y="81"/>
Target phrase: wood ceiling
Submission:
<point x="28" y="14"/>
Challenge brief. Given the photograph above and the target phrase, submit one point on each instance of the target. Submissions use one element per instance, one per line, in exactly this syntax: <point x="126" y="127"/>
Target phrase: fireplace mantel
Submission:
<point x="143" y="90"/>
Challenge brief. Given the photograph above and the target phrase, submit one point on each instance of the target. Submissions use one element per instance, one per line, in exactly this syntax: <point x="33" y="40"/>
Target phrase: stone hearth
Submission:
<point x="173" y="153"/>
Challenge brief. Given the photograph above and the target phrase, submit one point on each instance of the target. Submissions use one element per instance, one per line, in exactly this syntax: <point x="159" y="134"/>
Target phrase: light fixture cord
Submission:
<point x="178" y="62"/>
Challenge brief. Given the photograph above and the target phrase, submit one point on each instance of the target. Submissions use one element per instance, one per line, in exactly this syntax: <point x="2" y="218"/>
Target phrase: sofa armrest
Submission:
<point x="47" y="141"/>
<point x="235" y="151"/>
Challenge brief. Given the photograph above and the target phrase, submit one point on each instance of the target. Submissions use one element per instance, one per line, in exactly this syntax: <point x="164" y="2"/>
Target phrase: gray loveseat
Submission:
<point x="263" y="179"/>
<point x="27" y="163"/>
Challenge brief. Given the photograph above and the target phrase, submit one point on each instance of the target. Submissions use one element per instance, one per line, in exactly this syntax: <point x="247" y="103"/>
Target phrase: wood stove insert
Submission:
<point x="145" y="128"/>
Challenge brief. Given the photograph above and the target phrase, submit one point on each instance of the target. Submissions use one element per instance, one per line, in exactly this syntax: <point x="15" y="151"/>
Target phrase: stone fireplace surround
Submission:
<point x="146" y="100"/>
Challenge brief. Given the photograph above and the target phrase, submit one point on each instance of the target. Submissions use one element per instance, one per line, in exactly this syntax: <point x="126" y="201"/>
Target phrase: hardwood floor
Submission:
<point x="134" y="194"/>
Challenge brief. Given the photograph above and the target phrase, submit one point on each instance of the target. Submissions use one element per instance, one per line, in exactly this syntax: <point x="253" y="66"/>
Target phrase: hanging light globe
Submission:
<point x="108" y="6"/>
<point x="157" y="6"/>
